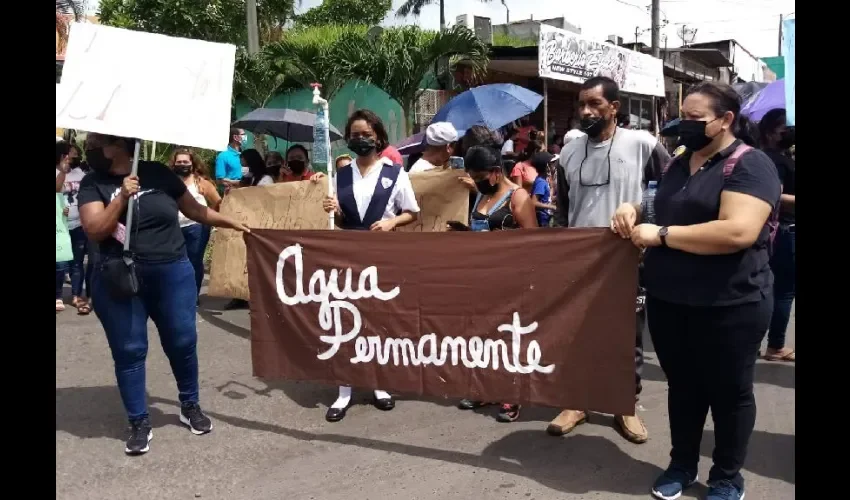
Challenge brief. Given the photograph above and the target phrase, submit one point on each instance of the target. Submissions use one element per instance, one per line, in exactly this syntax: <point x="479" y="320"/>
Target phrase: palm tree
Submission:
<point x="64" y="8"/>
<point x="415" y="7"/>
<point x="318" y="54"/>
<point x="398" y="59"/>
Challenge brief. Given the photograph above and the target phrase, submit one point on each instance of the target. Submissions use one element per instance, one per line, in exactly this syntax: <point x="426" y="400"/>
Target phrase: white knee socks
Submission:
<point x="344" y="398"/>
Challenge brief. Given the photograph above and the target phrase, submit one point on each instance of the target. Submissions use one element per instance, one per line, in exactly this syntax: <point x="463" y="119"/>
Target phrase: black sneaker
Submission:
<point x="140" y="437"/>
<point x="191" y="415"/>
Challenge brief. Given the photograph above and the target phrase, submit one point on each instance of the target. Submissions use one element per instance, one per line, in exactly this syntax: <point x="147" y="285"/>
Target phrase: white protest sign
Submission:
<point x="146" y="86"/>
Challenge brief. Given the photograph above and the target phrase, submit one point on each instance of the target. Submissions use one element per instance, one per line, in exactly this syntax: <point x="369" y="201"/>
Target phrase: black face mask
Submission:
<point x="297" y="166"/>
<point x="75" y="163"/>
<point x="786" y="140"/>
<point x="593" y="127"/>
<point x="362" y="146"/>
<point x="692" y="134"/>
<point x="97" y="161"/>
<point x="484" y="187"/>
<point x="183" y="170"/>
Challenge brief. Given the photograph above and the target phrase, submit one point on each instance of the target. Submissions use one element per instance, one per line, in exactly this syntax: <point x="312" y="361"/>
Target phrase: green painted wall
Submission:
<point x="776" y="64"/>
<point x="354" y="95"/>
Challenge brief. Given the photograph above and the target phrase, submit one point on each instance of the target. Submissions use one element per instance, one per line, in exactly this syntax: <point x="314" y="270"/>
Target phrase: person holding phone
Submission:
<point x="439" y="139"/>
<point x="500" y="205"/>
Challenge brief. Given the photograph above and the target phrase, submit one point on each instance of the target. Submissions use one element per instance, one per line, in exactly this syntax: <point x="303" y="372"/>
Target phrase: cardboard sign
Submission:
<point x="146" y="86"/>
<point x="298" y="205"/>
<point x="442" y="314"/>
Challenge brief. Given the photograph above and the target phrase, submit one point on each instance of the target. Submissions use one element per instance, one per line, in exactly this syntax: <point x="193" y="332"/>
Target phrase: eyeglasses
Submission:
<point x="607" y="158"/>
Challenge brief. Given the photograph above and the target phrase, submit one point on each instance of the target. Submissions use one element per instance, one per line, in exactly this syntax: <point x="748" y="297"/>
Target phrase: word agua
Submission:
<point x="473" y="352"/>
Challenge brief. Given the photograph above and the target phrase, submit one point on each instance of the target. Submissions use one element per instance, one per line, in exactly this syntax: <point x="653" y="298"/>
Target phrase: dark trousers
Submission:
<point x="197" y="236"/>
<point x="783" y="263"/>
<point x="168" y="296"/>
<point x="708" y="355"/>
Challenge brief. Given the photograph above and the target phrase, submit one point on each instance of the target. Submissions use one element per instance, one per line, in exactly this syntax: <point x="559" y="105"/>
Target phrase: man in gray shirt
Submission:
<point x="598" y="172"/>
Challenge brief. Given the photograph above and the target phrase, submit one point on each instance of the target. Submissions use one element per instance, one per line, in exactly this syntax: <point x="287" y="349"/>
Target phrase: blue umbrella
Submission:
<point x="770" y="97"/>
<point x="492" y="105"/>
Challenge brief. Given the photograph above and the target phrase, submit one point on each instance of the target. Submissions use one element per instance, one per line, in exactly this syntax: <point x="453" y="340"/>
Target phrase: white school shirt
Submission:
<point x="402" y="198"/>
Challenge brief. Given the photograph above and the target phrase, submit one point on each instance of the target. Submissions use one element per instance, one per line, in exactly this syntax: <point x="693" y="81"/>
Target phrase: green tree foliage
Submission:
<point x="210" y="20"/>
<point x="367" y="12"/>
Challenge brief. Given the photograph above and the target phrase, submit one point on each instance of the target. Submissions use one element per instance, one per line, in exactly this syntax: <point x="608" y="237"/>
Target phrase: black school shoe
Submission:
<point x="140" y="437"/>
<point x="192" y="416"/>
<point x="335" y="414"/>
<point x="385" y="404"/>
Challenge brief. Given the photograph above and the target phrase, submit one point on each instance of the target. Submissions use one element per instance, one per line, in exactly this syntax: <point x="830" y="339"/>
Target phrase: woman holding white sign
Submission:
<point x="372" y="194"/>
<point x="153" y="279"/>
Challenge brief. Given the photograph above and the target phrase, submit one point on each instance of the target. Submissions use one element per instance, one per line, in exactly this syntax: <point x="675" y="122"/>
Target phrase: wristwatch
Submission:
<point x="662" y="234"/>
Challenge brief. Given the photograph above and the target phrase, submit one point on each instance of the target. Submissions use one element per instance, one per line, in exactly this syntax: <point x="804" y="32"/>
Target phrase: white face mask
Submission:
<point x="243" y="139"/>
<point x="245" y="171"/>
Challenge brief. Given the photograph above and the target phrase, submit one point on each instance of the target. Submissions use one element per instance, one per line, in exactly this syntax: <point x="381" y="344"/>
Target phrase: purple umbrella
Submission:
<point x="412" y="145"/>
<point x="770" y="97"/>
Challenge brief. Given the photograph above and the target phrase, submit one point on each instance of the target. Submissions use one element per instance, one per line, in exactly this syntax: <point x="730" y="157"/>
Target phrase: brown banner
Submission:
<point x="298" y="205"/>
<point x="542" y="317"/>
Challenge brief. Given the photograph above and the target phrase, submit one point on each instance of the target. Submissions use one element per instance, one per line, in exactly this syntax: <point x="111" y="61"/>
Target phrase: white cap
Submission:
<point x="440" y="134"/>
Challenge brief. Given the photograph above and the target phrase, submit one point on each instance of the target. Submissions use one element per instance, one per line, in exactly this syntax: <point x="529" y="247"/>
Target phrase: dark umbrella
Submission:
<point x="286" y="124"/>
<point x="671" y="128"/>
<point x="748" y="89"/>
<point x="493" y="106"/>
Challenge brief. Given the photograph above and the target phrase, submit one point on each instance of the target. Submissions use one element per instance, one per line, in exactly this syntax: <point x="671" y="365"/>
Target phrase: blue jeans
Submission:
<point x="197" y="236"/>
<point x="168" y="296"/>
<point x="80" y="273"/>
<point x="61" y="270"/>
<point x="783" y="263"/>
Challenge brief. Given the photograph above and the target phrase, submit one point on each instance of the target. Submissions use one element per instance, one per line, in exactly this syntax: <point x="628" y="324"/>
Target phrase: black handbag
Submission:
<point x="119" y="275"/>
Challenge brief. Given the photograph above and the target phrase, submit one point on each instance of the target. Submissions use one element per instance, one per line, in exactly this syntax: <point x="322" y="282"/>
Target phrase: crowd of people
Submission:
<point x="718" y="242"/>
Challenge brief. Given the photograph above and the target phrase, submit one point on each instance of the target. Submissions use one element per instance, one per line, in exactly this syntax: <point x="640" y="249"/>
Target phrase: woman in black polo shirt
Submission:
<point x="709" y="286"/>
<point x="166" y="279"/>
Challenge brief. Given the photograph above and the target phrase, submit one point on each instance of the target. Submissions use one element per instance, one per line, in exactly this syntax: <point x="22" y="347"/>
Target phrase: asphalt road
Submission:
<point x="271" y="440"/>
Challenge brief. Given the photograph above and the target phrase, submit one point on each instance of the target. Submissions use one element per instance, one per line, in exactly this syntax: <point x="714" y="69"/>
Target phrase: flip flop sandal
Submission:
<point x="788" y="356"/>
<point x="83" y="308"/>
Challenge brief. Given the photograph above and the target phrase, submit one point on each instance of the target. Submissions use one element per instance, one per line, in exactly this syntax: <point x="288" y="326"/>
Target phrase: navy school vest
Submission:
<point x="380" y="198"/>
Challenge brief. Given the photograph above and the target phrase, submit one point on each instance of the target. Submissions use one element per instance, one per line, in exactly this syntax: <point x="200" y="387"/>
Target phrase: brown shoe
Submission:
<point x="566" y="422"/>
<point x="632" y="428"/>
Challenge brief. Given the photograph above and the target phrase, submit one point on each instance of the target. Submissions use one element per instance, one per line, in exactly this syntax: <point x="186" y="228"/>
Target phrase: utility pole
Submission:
<point x="253" y="32"/>
<point x="656" y="28"/>
<point x="637" y="34"/>
<point x="507" y="12"/>
<point x="779" y="46"/>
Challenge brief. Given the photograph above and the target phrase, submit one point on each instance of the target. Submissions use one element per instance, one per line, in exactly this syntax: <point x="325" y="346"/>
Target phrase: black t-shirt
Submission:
<point x="685" y="200"/>
<point x="156" y="235"/>
<point x="786" y="168"/>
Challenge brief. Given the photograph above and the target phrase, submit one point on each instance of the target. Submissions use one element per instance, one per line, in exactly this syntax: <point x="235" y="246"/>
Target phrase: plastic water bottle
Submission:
<point x="320" y="147"/>
<point x="647" y="204"/>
